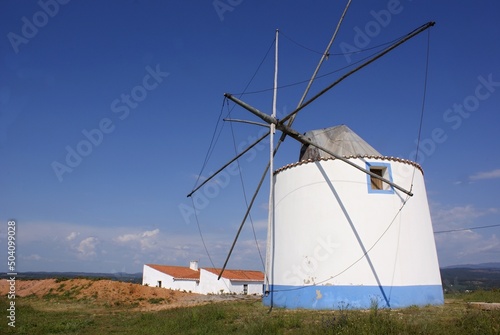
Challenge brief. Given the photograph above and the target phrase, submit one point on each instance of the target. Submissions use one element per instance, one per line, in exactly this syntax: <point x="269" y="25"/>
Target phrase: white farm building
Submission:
<point x="203" y="280"/>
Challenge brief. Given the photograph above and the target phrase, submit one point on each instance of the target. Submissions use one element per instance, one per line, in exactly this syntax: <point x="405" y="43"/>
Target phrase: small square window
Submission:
<point x="376" y="185"/>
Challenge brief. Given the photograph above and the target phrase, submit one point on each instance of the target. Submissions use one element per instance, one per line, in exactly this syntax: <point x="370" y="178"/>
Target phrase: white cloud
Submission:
<point x="61" y="246"/>
<point x="72" y="236"/>
<point x="137" y="236"/>
<point x="469" y="245"/>
<point x="87" y="247"/>
<point x="146" y="240"/>
<point x="260" y="226"/>
<point x="486" y="175"/>
<point x="151" y="233"/>
<point x="32" y="257"/>
<point x="457" y="216"/>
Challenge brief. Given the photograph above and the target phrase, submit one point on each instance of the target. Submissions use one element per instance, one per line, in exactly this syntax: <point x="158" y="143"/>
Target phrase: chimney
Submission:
<point x="193" y="265"/>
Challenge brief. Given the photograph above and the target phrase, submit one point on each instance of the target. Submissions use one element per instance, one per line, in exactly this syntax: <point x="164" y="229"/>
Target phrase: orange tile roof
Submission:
<point x="183" y="272"/>
<point x="239" y="275"/>
<point x="178" y="272"/>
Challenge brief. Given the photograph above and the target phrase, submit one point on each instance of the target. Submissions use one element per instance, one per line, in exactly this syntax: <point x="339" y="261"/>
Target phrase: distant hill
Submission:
<point x="493" y="265"/>
<point x="118" y="276"/>
<point x="471" y="277"/>
<point x="454" y="278"/>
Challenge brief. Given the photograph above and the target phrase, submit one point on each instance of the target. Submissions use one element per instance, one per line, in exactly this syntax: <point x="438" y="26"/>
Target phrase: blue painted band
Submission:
<point x="353" y="297"/>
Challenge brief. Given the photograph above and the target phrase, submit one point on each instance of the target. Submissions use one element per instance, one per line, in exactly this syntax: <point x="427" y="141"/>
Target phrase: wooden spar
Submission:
<point x="395" y="45"/>
<point x="227" y="164"/>
<point x="315" y="73"/>
<point x="304" y="140"/>
<point x="247" y="122"/>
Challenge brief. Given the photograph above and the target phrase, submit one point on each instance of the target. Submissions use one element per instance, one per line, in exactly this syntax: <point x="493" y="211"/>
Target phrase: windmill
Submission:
<point x="348" y="227"/>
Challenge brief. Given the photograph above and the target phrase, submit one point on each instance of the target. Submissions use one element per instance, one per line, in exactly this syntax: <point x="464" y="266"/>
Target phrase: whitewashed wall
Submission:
<point x="151" y="277"/>
<point x="333" y="235"/>
<point x="210" y="284"/>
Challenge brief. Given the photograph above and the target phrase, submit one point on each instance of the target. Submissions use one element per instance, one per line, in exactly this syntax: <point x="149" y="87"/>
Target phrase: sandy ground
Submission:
<point x="115" y="293"/>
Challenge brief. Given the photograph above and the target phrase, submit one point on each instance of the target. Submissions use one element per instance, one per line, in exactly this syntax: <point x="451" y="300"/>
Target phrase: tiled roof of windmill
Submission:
<point x="340" y="140"/>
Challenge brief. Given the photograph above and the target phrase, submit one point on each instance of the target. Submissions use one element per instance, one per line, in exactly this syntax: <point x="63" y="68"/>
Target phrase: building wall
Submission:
<point x="208" y="283"/>
<point x="252" y="287"/>
<point x="337" y="242"/>
<point x="151" y="277"/>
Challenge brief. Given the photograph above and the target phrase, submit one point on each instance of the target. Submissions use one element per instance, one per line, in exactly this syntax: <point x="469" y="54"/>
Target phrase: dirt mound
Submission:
<point x="107" y="292"/>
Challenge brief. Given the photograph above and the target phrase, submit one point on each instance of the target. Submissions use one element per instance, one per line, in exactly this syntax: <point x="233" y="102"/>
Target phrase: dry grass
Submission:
<point x="84" y="306"/>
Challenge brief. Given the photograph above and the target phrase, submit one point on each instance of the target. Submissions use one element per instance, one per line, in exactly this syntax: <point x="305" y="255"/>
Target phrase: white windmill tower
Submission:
<point x="345" y="239"/>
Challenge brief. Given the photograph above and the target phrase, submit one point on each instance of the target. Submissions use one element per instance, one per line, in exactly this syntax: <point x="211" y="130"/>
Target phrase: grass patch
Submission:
<point x="40" y="316"/>
<point x="156" y="300"/>
<point x="489" y="296"/>
<point x="61" y="279"/>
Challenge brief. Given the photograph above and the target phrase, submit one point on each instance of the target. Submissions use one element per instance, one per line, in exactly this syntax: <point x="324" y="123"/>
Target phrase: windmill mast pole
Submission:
<point x="272" y="130"/>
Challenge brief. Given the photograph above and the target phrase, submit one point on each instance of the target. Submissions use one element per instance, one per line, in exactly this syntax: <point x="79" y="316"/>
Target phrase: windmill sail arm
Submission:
<point x="304" y="140"/>
<point x="247" y="122"/>
<point x="392" y="47"/>
<point x="268" y="118"/>
<point x="228" y="163"/>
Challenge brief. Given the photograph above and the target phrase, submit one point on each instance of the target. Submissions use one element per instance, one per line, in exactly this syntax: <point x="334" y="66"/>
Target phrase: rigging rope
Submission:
<point x="339" y="53"/>
<point x="367" y="49"/>
<point x="201" y="234"/>
<point x="331" y="72"/>
<point x="423" y="104"/>
<point x="301" y="45"/>
<point x="317" y="77"/>
<point x="462" y="229"/>
<point x="245" y="194"/>
<point x="210" y="147"/>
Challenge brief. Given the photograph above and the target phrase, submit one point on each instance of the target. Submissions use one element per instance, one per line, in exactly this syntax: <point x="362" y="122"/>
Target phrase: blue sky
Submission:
<point x="107" y="109"/>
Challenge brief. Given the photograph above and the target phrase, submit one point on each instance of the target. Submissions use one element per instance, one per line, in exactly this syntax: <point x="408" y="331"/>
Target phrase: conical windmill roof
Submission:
<point x="341" y="140"/>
